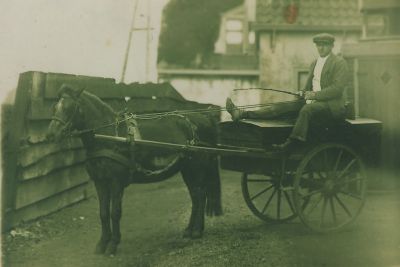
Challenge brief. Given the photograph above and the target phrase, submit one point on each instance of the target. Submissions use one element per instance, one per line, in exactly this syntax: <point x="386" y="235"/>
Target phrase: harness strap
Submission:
<point x="108" y="153"/>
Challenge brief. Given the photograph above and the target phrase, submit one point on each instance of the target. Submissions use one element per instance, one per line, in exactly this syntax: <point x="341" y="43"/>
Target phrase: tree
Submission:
<point x="190" y="29"/>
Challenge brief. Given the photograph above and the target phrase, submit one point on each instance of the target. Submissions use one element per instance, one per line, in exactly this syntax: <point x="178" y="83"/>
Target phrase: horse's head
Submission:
<point x="67" y="113"/>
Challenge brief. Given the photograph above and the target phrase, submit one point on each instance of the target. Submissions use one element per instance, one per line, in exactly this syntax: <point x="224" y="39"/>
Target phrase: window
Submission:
<point x="234" y="36"/>
<point x="252" y="37"/>
<point x="383" y="22"/>
<point x="234" y="31"/>
<point x="302" y="76"/>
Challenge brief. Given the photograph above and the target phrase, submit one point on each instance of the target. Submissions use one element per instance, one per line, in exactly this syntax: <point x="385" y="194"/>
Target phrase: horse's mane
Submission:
<point x="95" y="104"/>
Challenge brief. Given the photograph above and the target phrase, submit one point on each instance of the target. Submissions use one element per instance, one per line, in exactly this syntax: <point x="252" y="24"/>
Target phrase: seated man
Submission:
<point x="323" y="95"/>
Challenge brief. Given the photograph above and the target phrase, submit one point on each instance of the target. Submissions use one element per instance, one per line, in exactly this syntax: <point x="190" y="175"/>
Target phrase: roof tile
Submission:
<point x="310" y="12"/>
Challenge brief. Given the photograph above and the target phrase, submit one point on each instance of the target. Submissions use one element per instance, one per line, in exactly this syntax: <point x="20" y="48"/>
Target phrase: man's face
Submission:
<point x="324" y="49"/>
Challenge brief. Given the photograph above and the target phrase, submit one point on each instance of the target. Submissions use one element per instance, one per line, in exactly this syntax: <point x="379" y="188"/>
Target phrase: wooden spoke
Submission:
<point x="321" y="176"/>
<point x="312" y="193"/>
<point x="261" y="192"/>
<point x="350" y="195"/>
<point x="323" y="211"/>
<point x="338" y="160"/>
<point x="350" y="181"/>
<point x="289" y="201"/>
<point x="305" y="202"/>
<point x="347" y="167"/>
<point x="326" y="161"/>
<point x="315" y="205"/>
<point x="259" y="180"/>
<point x="313" y="167"/>
<point x="278" y="211"/>
<point x="343" y="206"/>
<point x="269" y="201"/>
<point x="333" y="210"/>
<point x="344" y="175"/>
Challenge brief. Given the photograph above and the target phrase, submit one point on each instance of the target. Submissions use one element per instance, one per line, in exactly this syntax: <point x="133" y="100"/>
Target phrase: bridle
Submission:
<point x="67" y="124"/>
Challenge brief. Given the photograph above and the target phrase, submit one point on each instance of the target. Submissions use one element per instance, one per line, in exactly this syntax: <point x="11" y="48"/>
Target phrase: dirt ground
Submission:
<point x="155" y="215"/>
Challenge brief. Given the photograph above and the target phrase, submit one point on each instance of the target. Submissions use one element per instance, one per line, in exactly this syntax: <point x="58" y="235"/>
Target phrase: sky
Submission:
<point x="84" y="37"/>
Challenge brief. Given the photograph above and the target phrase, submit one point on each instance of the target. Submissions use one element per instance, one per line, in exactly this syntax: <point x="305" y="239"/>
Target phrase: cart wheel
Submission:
<point x="268" y="197"/>
<point x="329" y="187"/>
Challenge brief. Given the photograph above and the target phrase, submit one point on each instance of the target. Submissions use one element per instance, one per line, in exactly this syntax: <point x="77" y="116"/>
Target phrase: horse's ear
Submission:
<point x="78" y="92"/>
<point x="69" y="90"/>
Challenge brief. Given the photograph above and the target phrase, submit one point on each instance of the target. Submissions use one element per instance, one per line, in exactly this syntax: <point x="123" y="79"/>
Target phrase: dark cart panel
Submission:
<point x="361" y="134"/>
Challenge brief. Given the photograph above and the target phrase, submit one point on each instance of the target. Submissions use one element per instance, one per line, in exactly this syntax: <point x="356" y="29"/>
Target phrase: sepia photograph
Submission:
<point x="200" y="133"/>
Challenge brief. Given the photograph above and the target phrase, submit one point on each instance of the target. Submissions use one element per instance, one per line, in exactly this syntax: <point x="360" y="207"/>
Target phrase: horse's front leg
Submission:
<point x="195" y="227"/>
<point x="103" y="193"/>
<point x="117" y="191"/>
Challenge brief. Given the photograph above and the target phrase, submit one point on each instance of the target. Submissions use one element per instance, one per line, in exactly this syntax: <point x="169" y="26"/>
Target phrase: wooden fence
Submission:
<point x="41" y="177"/>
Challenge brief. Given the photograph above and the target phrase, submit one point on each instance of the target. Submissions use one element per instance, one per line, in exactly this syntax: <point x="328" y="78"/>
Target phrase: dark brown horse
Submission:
<point x="113" y="166"/>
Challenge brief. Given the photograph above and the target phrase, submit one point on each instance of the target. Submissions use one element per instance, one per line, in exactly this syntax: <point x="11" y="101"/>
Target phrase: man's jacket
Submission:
<point x="334" y="80"/>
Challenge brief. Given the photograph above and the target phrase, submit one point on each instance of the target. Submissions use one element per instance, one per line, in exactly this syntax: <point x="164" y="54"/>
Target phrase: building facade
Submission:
<point x="375" y="62"/>
<point x="284" y="30"/>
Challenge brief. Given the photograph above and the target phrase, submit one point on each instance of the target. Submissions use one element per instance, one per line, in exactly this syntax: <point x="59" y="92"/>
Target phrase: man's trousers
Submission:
<point x="316" y="113"/>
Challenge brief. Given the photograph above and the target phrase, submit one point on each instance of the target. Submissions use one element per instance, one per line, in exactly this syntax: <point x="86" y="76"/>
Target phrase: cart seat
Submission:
<point x="263" y="133"/>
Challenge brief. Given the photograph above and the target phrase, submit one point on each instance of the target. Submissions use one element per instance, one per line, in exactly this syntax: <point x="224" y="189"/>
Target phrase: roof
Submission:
<point x="216" y="65"/>
<point x="207" y="72"/>
<point x="303" y="14"/>
<point x="382" y="4"/>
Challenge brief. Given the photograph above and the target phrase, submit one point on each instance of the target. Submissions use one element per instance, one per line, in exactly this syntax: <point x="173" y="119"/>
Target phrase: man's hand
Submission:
<point x="309" y="95"/>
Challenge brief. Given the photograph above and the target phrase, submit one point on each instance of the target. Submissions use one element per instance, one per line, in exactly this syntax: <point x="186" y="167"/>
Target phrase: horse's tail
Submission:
<point x="213" y="189"/>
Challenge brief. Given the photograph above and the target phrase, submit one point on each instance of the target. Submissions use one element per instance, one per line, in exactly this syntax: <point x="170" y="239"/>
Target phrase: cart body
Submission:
<point x="322" y="181"/>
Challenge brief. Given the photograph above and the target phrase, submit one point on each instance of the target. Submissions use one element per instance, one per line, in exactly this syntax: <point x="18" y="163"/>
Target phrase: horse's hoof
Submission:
<point x="196" y="234"/>
<point x="100" y="247"/>
<point x="187" y="233"/>
<point x="111" y="249"/>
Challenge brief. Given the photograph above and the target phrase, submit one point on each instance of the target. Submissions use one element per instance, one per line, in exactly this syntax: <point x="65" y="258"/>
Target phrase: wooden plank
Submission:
<point x="41" y="109"/>
<point x="270" y="123"/>
<point x="6" y="113"/>
<point x="359" y="120"/>
<point x="55" y="80"/>
<point x="38" y="84"/>
<point x="107" y="88"/>
<point x="17" y="128"/>
<point x="33" y="153"/>
<point x="33" y="190"/>
<point x="53" y="162"/>
<point x="36" y="131"/>
<point x="47" y="206"/>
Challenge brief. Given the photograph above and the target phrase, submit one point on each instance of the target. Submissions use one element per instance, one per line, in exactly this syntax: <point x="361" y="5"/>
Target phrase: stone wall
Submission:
<point x="284" y="54"/>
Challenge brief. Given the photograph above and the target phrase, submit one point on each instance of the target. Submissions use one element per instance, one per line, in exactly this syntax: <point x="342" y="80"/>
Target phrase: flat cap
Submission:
<point x="324" y="38"/>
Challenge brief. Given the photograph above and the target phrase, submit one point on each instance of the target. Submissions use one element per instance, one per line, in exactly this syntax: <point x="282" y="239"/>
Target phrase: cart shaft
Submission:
<point x="223" y="151"/>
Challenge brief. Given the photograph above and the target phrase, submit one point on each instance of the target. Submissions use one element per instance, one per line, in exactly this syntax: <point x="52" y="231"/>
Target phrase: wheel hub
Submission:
<point x="330" y="187"/>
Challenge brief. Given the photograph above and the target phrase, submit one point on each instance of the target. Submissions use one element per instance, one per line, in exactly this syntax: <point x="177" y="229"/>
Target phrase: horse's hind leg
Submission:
<point x="192" y="178"/>
<point x="117" y="191"/>
<point x="103" y="194"/>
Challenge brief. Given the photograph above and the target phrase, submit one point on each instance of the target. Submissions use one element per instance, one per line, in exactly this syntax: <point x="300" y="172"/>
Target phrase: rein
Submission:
<point x="156" y="115"/>
<point x="267" y="89"/>
<point x="115" y="124"/>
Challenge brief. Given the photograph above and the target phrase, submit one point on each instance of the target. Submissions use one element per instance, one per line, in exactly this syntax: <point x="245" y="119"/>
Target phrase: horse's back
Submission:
<point x="179" y="129"/>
